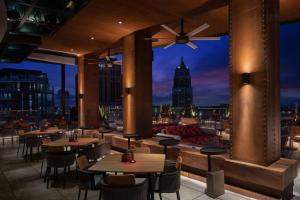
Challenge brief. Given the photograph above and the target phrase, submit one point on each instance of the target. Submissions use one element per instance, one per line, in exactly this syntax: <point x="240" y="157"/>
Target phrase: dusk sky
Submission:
<point x="208" y="66"/>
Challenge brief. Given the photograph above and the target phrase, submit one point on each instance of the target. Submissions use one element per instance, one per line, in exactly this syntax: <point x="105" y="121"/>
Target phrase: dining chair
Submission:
<point x="58" y="160"/>
<point x="21" y="140"/>
<point x="31" y="142"/>
<point x="93" y="153"/>
<point x="88" y="181"/>
<point x="168" y="182"/>
<point x="45" y="150"/>
<point x="171" y="166"/>
<point x="125" y="187"/>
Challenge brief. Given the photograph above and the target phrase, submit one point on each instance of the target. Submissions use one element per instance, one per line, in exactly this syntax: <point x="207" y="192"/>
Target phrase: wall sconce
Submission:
<point x="80" y="96"/>
<point x="128" y="91"/>
<point x="246" y="79"/>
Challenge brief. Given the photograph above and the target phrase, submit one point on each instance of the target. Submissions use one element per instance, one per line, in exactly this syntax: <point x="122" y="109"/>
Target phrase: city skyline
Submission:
<point x="208" y="66"/>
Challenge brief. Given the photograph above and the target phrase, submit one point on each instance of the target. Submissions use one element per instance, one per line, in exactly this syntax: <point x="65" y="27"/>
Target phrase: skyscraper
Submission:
<point x="182" y="93"/>
<point x="110" y="80"/>
<point x="25" y="90"/>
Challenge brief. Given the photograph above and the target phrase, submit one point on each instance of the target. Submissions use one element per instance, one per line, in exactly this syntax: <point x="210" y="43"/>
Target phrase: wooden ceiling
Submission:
<point x="99" y="19"/>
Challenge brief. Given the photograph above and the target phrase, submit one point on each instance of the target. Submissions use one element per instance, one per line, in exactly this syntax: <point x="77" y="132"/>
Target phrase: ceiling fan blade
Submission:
<point x="157" y="39"/>
<point x="169" y="45"/>
<point x="198" y="30"/>
<point x="205" y="38"/>
<point x="192" y="45"/>
<point x="170" y="30"/>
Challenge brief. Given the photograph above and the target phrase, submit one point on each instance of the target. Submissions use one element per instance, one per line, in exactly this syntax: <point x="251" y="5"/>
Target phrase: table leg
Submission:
<point x="150" y="187"/>
<point x="166" y="151"/>
<point x="209" y="163"/>
<point x="128" y="143"/>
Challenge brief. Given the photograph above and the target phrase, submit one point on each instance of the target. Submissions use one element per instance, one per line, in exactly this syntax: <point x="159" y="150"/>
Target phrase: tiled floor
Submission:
<point x="19" y="180"/>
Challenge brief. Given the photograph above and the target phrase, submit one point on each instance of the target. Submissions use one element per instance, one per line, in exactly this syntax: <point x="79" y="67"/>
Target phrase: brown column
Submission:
<point x="88" y="93"/>
<point x="254" y="80"/>
<point x="137" y="84"/>
<point x="3" y="25"/>
<point x="63" y="90"/>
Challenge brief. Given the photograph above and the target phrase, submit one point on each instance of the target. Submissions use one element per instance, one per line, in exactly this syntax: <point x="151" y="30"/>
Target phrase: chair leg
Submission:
<point x="79" y="192"/>
<point x="41" y="174"/>
<point x="46" y="174"/>
<point x="160" y="196"/>
<point x="65" y="169"/>
<point x="85" y="194"/>
<point x="31" y="153"/>
<point x="18" y="149"/>
<point x="23" y="149"/>
<point x="48" y="177"/>
<point x="100" y="194"/>
<point x="178" y="195"/>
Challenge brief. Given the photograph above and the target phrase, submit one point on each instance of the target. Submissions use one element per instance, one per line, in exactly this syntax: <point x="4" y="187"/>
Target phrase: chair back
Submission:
<point x="169" y="182"/>
<point x="87" y="179"/>
<point x="120" y="180"/>
<point x="96" y="152"/>
<point x="137" y="191"/>
<point x="82" y="162"/>
<point x="60" y="159"/>
<point x="141" y="150"/>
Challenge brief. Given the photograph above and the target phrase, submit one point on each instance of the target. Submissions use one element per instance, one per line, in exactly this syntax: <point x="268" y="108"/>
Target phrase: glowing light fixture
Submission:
<point x="92" y="38"/>
<point x="120" y="22"/>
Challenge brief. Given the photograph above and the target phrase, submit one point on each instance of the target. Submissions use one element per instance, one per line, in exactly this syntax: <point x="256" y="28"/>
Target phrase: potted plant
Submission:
<point x="102" y="115"/>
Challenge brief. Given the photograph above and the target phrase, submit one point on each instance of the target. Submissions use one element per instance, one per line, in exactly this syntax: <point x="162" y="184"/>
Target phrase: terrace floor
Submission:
<point x="20" y="180"/>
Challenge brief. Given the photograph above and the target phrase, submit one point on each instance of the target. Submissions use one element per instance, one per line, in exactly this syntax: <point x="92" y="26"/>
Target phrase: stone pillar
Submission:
<point x="137" y="84"/>
<point x="3" y="24"/>
<point x="63" y="90"/>
<point x="254" y="80"/>
<point x="88" y="93"/>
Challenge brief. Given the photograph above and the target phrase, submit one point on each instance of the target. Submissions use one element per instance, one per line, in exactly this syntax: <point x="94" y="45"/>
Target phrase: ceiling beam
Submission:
<point x="26" y="15"/>
<point x="210" y="5"/>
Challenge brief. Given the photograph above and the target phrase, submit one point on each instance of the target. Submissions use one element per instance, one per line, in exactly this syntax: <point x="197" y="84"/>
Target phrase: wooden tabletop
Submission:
<point x="64" y="142"/>
<point x="50" y="131"/>
<point x="145" y="163"/>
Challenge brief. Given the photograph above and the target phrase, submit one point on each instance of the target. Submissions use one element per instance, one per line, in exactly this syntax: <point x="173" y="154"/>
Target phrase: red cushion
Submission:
<point x="192" y="130"/>
<point x="175" y="130"/>
<point x="202" y="140"/>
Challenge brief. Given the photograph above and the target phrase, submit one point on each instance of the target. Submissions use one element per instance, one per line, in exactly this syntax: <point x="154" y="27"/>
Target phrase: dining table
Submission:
<point x="144" y="163"/>
<point x="49" y="131"/>
<point x="66" y="142"/>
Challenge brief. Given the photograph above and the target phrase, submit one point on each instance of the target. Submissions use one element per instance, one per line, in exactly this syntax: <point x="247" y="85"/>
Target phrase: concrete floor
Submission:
<point x="19" y="180"/>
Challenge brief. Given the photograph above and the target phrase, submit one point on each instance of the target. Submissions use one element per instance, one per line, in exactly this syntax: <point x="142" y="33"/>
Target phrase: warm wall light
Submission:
<point x="80" y="96"/>
<point x="246" y="79"/>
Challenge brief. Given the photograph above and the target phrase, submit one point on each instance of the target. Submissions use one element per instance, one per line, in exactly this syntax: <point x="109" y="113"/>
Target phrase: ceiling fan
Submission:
<point x="109" y="60"/>
<point x="184" y="38"/>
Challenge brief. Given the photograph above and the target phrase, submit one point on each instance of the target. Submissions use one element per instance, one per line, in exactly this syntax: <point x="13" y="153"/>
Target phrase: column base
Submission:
<point x="215" y="184"/>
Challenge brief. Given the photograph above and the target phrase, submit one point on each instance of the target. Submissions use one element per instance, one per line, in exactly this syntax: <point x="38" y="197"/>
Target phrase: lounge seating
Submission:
<point x="125" y="187"/>
<point x="193" y="135"/>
